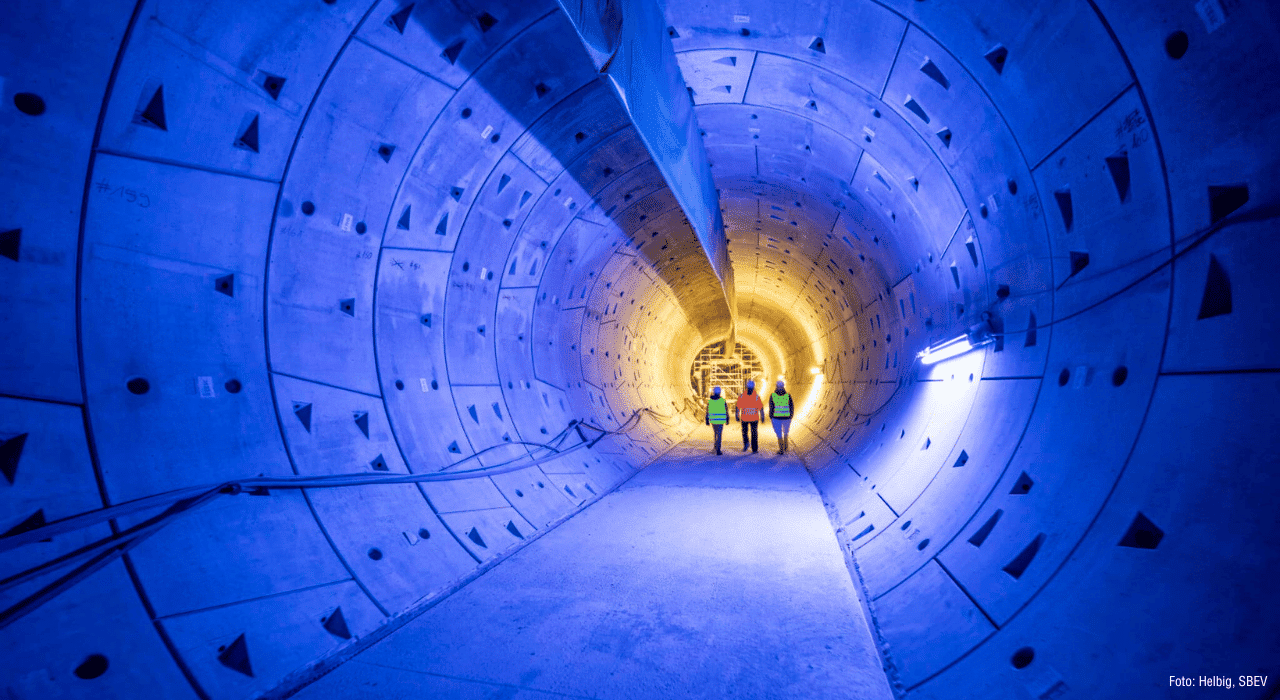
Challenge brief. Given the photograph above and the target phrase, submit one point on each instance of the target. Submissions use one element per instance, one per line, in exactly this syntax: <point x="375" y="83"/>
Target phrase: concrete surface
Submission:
<point x="392" y="234"/>
<point x="701" y="577"/>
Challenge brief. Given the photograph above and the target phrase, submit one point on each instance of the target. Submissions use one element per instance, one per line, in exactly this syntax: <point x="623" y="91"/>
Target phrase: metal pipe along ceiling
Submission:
<point x="303" y="239"/>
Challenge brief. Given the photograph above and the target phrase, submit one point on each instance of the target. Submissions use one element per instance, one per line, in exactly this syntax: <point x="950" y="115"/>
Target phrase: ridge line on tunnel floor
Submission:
<point x="1198" y="372"/>
<point x="1132" y="84"/>
<point x="963" y="590"/>
<point x="189" y="166"/>
<point x="902" y="41"/>
<point x="295" y="681"/>
<point x="954" y="235"/>
<point x="56" y="402"/>
<point x="277" y="594"/>
<point x="331" y="386"/>
<point x="746" y="87"/>
<point x="896" y="514"/>
<point x="401" y="61"/>
<point x="473" y="680"/>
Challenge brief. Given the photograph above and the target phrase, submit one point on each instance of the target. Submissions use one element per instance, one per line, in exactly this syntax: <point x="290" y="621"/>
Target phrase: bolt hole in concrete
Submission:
<point x="1064" y="376"/>
<point x="138" y="386"/>
<point x="1176" y="45"/>
<point x="308" y="208"/>
<point x="1023" y="657"/>
<point x="1119" y="375"/>
<point x="375" y="554"/>
<point x="29" y="103"/>
<point x="424" y="534"/>
<point x="233" y="386"/>
<point x="92" y="667"/>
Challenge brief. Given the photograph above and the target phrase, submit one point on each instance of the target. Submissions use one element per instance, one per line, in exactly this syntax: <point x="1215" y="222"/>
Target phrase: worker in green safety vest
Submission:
<point x="717" y="414"/>
<point x="781" y="408"/>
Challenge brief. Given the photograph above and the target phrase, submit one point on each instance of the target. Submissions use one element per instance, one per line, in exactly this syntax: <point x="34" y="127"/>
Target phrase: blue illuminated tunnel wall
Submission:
<point x="314" y="237"/>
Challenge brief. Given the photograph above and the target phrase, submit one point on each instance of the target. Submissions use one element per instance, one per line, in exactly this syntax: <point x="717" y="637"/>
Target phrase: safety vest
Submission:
<point x="749" y="407"/>
<point x="718" y="411"/>
<point x="781" y="405"/>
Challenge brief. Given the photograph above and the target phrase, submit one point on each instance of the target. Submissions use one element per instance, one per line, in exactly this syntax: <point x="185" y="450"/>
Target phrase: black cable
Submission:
<point x="104" y="556"/>
<point x="1259" y="215"/>
<point x="83" y="520"/>
<point x="97" y="555"/>
<point x="874" y="412"/>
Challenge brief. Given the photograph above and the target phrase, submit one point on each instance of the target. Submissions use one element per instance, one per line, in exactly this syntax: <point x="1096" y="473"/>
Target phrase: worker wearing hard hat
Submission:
<point x="747" y="410"/>
<point x="781" y="408"/>
<point x="717" y="415"/>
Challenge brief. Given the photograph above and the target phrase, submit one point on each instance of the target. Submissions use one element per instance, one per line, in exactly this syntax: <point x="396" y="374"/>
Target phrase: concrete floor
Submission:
<point x="701" y="577"/>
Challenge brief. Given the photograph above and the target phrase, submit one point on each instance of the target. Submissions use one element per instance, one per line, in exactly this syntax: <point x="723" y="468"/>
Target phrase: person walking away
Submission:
<point x="747" y="411"/>
<point x="781" y="408"/>
<point x="717" y="415"/>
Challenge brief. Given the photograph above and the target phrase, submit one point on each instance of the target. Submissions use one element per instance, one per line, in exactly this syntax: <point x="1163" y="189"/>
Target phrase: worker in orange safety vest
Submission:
<point x="747" y="410"/>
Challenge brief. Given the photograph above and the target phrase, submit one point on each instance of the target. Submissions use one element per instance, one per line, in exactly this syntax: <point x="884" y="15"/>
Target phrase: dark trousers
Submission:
<point x="719" y="431"/>
<point x="753" y="427"/>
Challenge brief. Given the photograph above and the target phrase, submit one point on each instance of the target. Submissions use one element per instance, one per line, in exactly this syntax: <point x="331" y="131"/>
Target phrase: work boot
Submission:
<point x="784" y="445"/>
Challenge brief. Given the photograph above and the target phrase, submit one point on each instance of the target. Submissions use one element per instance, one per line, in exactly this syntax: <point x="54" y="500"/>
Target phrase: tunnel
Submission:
<point x="362" y="349"/>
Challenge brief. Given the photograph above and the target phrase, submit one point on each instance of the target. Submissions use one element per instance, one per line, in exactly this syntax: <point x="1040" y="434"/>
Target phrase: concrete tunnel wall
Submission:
<point x="439" y="224"/>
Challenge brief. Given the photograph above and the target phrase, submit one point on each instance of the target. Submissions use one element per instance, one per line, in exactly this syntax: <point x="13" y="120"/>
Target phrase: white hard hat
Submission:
<point x="781" y="383"/>
<point x="715" y="390"/>
<point x="751" y="383"/>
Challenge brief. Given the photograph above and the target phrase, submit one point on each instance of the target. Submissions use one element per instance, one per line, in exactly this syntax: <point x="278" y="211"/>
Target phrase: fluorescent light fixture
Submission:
<point x="975" y="338"/>
<point x="814" y="370"/>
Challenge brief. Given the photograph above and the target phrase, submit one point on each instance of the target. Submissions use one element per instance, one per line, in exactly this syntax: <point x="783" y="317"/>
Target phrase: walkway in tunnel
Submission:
<point x="702" y="576"/>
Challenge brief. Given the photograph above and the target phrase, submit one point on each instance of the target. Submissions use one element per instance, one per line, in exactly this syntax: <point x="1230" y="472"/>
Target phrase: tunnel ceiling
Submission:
<point x="317" y="238"/>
